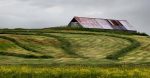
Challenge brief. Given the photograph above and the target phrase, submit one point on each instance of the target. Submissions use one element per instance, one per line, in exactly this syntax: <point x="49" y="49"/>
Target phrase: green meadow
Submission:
<point x="73" y="53"/>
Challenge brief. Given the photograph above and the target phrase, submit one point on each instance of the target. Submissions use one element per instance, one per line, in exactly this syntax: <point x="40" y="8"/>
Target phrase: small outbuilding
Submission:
<point x="85" y="22"/>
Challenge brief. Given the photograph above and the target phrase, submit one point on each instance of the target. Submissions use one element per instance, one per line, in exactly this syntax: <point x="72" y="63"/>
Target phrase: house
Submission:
<point x="85" y="22"/>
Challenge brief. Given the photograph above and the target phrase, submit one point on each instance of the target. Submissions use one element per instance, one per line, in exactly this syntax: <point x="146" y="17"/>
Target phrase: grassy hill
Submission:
<point x="82" y="48"/>
<point x="73" y="46"/>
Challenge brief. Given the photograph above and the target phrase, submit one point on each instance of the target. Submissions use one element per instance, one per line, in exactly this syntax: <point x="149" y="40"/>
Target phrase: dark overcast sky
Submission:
<point x="47" y="13"/>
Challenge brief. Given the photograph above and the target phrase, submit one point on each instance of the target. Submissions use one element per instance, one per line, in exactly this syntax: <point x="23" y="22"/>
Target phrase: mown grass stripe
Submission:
<point x="24" y="55"/>
<point x="116" y="55"/>
<point x="22" y="46"/>
<point x="65" y="45"/>
<point x="19" y="44"/>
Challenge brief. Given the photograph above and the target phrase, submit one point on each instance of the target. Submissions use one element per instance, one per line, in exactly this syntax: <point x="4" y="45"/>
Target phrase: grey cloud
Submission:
<point x="46" y="13"/>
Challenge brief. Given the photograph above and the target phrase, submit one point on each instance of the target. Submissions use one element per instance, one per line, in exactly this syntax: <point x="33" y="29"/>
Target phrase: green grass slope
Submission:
<point x="73" y="46"/>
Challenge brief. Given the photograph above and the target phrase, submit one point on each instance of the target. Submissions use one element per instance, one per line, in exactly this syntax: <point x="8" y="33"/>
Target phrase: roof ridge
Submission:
<point x="97" y="18"/>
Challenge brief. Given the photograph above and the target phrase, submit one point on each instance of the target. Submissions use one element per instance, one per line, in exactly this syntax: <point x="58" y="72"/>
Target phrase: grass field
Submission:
<point x="75" y="47"/>
<point x="43" y="71"/>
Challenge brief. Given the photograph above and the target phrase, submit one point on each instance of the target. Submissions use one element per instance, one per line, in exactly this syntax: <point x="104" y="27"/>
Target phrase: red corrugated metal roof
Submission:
<point x="103" y="23"/>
